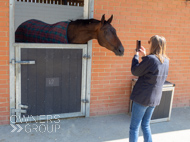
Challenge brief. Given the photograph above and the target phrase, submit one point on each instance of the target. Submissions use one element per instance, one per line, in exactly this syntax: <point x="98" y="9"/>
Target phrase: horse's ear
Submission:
<point x="103" y="19"/>
<point x="110" y="19"/>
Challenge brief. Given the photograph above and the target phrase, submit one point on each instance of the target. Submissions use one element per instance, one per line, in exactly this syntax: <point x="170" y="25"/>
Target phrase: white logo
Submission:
<point x="38" y="126"/>
<point x="15" y="128"/>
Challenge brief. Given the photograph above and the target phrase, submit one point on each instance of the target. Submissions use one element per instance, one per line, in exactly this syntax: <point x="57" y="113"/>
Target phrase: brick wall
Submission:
<point x="139" y="19"/>
<point x="4" y="62"/>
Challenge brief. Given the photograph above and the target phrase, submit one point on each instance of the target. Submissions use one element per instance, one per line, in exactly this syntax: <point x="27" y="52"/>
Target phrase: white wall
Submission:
<point x="48" y="13"/>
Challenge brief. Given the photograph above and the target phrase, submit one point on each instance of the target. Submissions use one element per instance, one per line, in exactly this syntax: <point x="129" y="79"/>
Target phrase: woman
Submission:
<point x="147" y="92"/>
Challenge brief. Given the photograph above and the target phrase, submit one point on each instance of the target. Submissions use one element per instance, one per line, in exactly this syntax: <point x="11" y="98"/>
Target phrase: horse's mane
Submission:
<point x="85" y="22"/>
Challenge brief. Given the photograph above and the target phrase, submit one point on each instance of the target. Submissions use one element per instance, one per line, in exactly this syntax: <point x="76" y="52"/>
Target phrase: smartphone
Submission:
<point x="138" y="46"/>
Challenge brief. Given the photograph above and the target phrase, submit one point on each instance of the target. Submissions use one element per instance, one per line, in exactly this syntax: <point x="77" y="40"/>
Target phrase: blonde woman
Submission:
<point x="147" y="92"/>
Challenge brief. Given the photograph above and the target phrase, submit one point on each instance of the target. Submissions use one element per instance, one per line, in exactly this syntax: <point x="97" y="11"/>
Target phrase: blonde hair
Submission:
<point x="158" y="47"/>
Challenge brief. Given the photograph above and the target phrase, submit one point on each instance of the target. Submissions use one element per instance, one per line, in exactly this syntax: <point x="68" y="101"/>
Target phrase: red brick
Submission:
<point x="4" y="86"/>
<point x="4" y="95"/>
<point x="4" y="39"/>
<point x="3" y="14"/>
<point x="103" y="97"/>
<point x="3" y="91"/>
<point x="108" y="7"/>
<point x="98" y="70"/>
<point x="3" y="81"/>
<point x="4" y="118"/>
<point x="4" y="57"/>
<point x="4" y="77"/>
<point x="114" y="3"/>
<point x="4" y="122"/>
<point x="3" y="63"/>
<point x="4" y="113"/>
<point x="2" y="109"/>
<point x="3" y="34"/>
<point x="97" y="86"/>
<point x="101" y="3"/>
<point x="3" y="100"/>
<point x="102" y="11"/>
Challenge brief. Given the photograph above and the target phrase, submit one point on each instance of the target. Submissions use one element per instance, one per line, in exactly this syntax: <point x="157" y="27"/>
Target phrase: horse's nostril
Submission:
<point x="120" y="51"/>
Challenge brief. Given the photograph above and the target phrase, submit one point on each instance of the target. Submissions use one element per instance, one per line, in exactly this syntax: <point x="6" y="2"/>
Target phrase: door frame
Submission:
<point x="88" y="13"/>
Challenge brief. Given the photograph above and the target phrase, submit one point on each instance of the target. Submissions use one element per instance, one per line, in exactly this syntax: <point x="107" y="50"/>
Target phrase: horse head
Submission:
<point x="108" y="38"/>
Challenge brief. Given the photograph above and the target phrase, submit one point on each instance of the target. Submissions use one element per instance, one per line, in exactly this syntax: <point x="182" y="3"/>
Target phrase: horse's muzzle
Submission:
<point x="120" y="51"/>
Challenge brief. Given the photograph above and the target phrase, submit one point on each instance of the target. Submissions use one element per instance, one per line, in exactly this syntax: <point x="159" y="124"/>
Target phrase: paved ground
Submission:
<point x="113" y="128"/>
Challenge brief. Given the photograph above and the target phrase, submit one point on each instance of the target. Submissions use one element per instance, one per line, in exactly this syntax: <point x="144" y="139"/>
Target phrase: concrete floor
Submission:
<point x="113" y="128"/>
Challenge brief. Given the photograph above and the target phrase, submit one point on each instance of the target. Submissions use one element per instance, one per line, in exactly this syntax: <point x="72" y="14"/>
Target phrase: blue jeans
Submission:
<point x="141" y="115"/>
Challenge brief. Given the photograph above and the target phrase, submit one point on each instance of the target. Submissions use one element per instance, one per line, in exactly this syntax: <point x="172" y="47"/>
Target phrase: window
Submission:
<point x="58" y="2"/>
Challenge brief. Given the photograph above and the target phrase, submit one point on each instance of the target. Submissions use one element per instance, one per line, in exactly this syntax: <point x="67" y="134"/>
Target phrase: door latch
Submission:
<point x="23" y="106"/>
<point x="21" y="62"/>
<point x="85" y="101"/>
<point x="86" y="56"/>
<point x="13" y="110"/>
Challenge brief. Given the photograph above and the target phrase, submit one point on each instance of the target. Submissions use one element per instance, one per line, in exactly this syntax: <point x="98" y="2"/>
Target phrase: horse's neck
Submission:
<point x="80" y="34"/>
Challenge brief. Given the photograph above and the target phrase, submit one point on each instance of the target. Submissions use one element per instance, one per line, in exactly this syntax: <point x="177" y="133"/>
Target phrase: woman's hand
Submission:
<point x="143" y="51"/>
<point x="136" y="52"/>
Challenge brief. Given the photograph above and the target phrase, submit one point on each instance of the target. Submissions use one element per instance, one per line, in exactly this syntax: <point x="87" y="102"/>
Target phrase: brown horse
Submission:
<point x="77" y="32"/>
<point x="81" y="31"/>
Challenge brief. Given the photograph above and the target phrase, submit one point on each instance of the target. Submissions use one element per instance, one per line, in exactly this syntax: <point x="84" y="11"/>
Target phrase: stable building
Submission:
<point x="85" y="80"/>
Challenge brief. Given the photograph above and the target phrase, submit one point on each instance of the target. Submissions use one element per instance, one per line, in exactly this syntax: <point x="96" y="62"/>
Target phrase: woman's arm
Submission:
<point x="139" y="69"/>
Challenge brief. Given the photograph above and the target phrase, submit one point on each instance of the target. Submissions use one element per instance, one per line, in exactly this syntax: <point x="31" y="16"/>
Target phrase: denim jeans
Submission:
<point x="141" y="115"/>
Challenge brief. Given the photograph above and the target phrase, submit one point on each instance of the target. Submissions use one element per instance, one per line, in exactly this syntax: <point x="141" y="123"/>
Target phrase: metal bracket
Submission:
<point x="85" y="101"/>
<point x="21" y="62"/>
<point x="13" y="110"/>
<point x="23" y="106"/>
<point x="86" y="56"/>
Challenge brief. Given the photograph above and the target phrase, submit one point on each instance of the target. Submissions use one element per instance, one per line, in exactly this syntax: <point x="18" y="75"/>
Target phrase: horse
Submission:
<point x="79" y="31"/>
